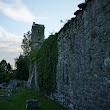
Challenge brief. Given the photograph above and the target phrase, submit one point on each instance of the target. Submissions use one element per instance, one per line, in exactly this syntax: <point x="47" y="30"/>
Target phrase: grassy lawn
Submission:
<point x="18" y="101"/>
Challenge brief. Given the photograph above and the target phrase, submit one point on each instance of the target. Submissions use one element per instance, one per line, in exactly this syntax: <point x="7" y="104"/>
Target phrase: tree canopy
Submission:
<point x="26" y="43"/>
<point x="22" y="62"/>
<point x="22" y="65"/>
<point x="6" y="71"/>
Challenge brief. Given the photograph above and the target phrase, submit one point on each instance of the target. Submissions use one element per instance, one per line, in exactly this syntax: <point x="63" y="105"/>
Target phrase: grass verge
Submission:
<point x="18" y="101"/>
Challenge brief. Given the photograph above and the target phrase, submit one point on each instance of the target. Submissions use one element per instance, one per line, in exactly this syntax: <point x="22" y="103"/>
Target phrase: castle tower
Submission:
<point x="37" y="38"/>
<point x="37" y="35"/>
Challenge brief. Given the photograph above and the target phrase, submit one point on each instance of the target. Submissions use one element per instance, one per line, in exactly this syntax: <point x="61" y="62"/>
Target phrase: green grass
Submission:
<point x="18" y="101"/>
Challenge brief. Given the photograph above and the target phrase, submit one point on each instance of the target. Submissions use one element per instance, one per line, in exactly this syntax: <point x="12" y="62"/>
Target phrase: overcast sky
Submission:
<point x="17" y="16"/>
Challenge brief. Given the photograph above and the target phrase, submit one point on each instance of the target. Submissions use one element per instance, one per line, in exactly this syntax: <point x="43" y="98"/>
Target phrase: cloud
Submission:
<point x="9" y="45"/>
<point x="16" y="10"/>
<point x="41" y="18"/>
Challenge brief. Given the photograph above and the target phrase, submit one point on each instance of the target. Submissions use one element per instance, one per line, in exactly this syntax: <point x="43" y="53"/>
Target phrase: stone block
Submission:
<point x="4" y="98"/>
<point x="32" y="104"/>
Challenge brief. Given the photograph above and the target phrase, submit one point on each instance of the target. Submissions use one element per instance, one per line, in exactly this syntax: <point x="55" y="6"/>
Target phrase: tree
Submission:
<point x="9" y="68"/>
<point x="6" y="72"/>
<point x="26" y="43"/>
<point x="3" y="64"/>
<point x="2" y="73"/>
<point x="22" y="65"/>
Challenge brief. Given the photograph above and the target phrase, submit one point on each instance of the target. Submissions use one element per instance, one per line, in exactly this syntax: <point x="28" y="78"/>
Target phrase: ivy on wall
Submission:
<point x="47" y="58"/>
<point x="33" y="54"/>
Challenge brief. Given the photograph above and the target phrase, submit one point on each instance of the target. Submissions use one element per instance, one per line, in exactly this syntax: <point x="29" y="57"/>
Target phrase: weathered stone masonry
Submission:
<point x="37" y="38"/>
<point x="83" y="70"/>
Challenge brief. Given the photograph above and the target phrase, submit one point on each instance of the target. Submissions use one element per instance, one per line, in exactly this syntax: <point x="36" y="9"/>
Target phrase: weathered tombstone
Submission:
<point x="4" y="85"/>
<point x="4" y="98"/>
<point x="9" y="92"/>
<point x="1" y="85"/>
<point x="11" y="86"/>
<point x="9" y="95"/>
<point x="32" y="104"/>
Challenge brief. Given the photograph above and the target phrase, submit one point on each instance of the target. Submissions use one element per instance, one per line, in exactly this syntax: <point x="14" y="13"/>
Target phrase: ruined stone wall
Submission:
<point x="37" y="38"/>
<point x="83" y="70"/>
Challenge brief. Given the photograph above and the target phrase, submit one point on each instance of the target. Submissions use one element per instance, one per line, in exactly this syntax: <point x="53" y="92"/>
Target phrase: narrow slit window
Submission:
<point x="38" y="30"/>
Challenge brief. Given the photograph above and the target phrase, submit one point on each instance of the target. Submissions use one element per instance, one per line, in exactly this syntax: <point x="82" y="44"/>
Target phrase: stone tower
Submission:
<point x="37" y="38"/>
<point x="37" y="35"/>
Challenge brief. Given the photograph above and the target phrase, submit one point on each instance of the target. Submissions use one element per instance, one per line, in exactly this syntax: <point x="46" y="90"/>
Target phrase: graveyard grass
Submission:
<point x="18" y="99"/>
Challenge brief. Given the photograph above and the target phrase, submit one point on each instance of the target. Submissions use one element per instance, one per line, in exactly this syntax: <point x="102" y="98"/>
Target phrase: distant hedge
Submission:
<point x="47" y="58"/>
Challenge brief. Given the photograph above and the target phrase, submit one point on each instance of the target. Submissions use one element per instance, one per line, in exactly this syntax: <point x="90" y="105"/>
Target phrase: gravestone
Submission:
<point x="1" y="85"/>
<point x="32" y="104"/>
<point x="4" y="98"/>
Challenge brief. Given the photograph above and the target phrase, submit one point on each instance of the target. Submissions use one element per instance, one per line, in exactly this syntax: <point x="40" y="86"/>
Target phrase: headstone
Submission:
<point x="11" y="86"/>
<point x="31" y="104"/>
<point x="4" y="98"/>
<point x="1" y="85"/>
<point x="4" y="85"/>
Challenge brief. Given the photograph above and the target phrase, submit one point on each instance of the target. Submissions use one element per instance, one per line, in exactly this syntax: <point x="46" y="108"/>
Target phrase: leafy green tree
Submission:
<point x="6" y="72"/>
<point x="22" y="68"/>
<point x="9" y="68"/>
<point x="3" y="64"/>
<point x="2" y="74"/>
<point x="26" y="43"/>
<point x="22" y="63"/>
